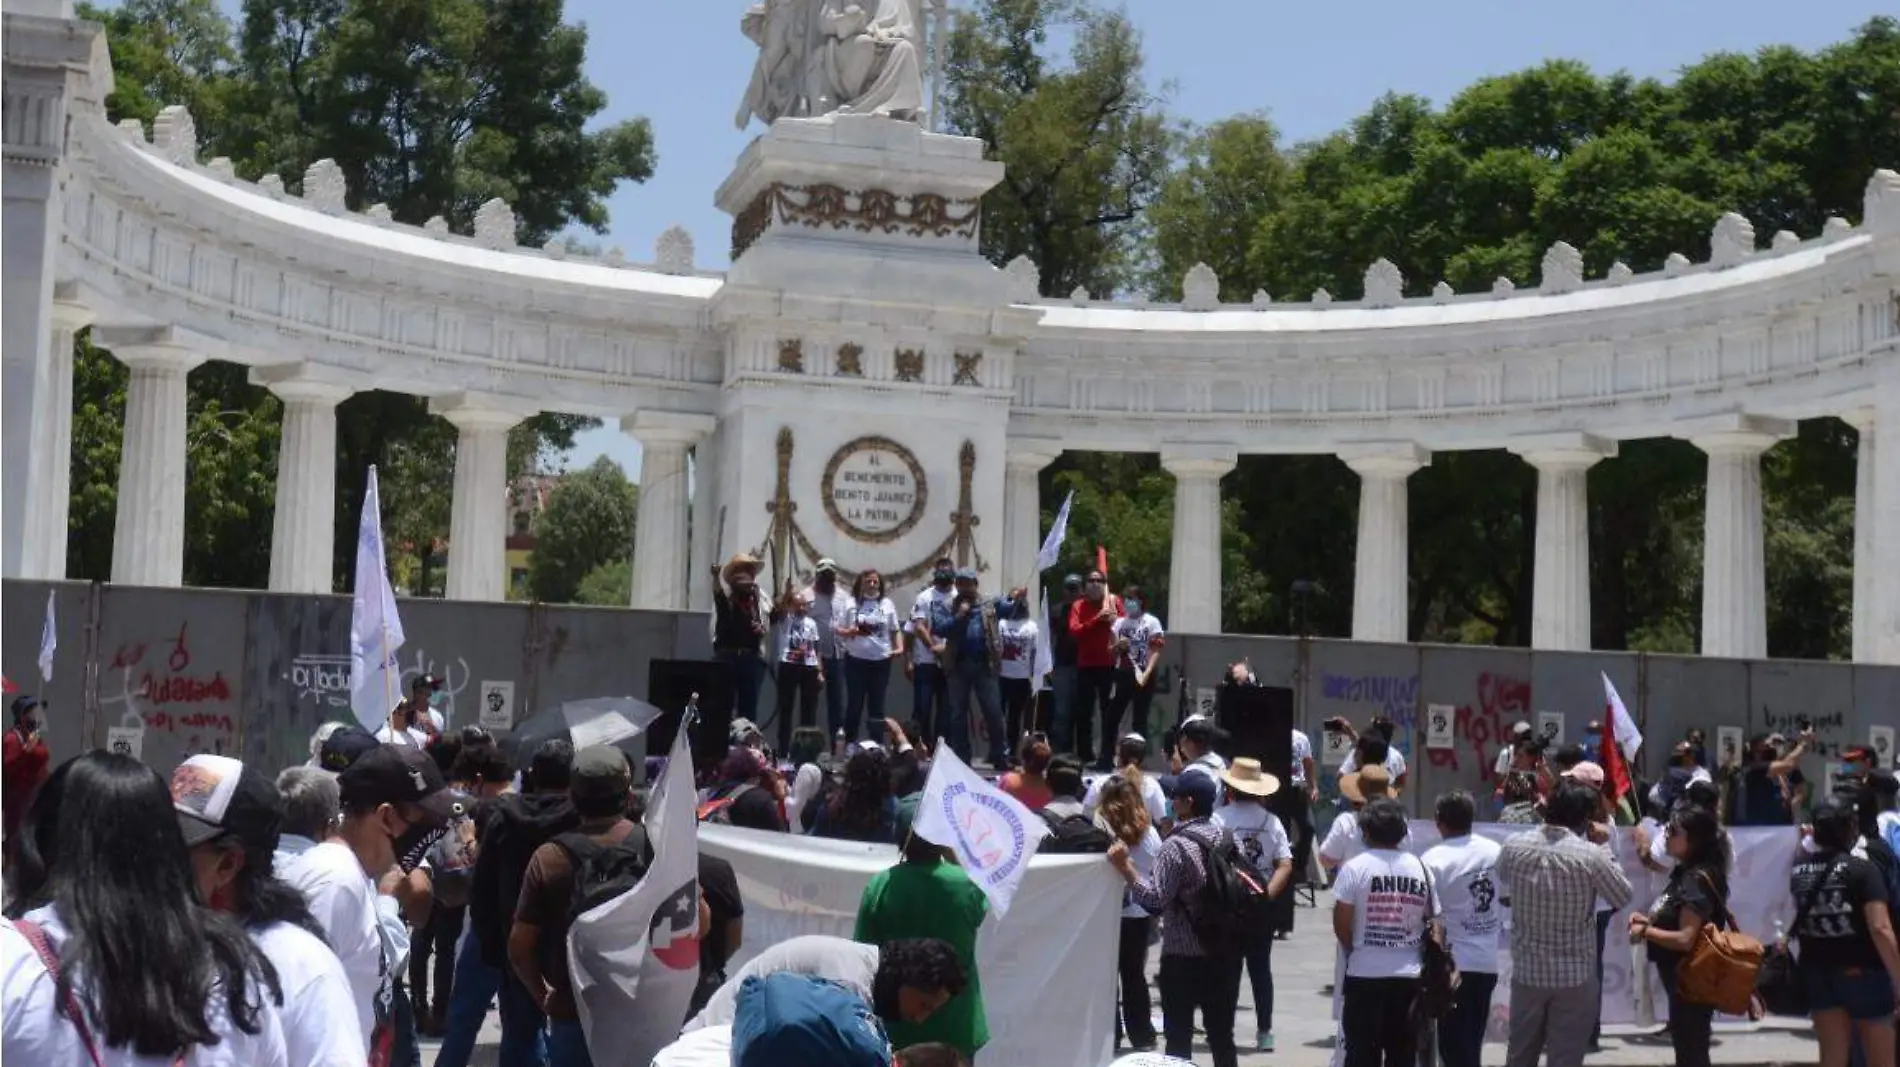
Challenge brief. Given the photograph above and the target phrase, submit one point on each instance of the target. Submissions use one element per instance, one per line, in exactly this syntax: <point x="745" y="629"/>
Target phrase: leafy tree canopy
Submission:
<point x="587" y="524"/>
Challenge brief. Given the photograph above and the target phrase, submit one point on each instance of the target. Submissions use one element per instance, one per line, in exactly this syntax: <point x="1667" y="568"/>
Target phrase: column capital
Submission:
<point x="1198" y="460"/>
<point x="1861" y="418"/>
<point x="1385" y="459"/>
<point x="69" y="311"/>
<point x="481" y="411"/>
<point x="1029" y="455"/>
<point x="311" y="382"/>
<point x="1735" y="434"/>
<point x="158" y="347"/>
<point x="1563" y="451"/>
<point x="655" y="428"/>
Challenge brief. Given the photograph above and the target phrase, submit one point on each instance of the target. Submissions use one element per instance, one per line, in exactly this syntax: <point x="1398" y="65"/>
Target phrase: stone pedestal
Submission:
<point x="478" y="517"/>
<point x="1194" y="572"/>
<point x="1734" y="582"/>
<point x="303" y="526"/>
<point x="1560" y="581"/>
<point x="148" y="531"/>
<point x="1381" y="560"/>
<point x="660" y="546"/>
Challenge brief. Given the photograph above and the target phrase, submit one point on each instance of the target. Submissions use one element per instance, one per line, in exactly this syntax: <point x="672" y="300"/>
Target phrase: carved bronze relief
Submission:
<point x="910" y="365"/>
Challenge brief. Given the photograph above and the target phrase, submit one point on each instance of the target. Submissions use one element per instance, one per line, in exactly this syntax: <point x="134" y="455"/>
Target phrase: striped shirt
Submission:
<point x="1179" y="872"/>
<point x="1554" y="878"/>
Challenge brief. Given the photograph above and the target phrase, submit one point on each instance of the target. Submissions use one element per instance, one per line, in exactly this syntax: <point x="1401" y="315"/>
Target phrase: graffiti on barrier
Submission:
<point x="1485" y="727"/>
<point x="160" y="693"/>
<point x="321" y="678"/>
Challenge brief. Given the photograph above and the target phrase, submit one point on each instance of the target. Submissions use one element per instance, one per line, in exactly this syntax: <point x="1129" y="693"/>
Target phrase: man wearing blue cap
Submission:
<point x="1191" y="976"/>
<point x="972" y="657"/>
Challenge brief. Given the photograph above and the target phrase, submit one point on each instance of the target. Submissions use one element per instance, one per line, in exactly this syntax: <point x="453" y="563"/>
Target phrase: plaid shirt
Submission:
<point x="1554" y="879"/>
<point x="1179" y="870"/>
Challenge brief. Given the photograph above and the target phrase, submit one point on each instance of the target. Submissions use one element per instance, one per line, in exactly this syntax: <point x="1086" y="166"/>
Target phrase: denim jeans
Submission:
<point x="975" y="678"/>
<point x="929" y="699"/>
<point x="1259" y="961"/>
<point x="567" y="1045"/>
<point x="748" y="672"/>
<point x="1461" y="1033"/>
<point x="865" y="681"/>
<point x="1210" y="985"/>
<point x="476" y="983"/>
<point x="406" y="1051"/>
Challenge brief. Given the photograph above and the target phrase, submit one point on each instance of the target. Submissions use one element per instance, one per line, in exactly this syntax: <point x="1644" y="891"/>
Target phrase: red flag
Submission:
<point x="1101" y="560"/>
<point x="1616" y="771"/>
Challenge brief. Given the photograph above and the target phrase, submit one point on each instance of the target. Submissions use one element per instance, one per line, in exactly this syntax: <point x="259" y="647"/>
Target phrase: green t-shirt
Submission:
<point x="936" y="900"/>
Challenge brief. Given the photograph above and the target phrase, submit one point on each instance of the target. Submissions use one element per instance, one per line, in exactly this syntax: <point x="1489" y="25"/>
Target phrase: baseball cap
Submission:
<point x="397" y="774"/>
<point x="1199" y="788"/>
<point x="599" y="772"/>
<point x="826" y="564"/>
<point x="965" y="574"/>
<point x="425" y="680"/>
<point x="217" y="795"/>
<point x="1588" y="773"/>
<point x="343" y="746"/>
<point x="1072" y="581"/>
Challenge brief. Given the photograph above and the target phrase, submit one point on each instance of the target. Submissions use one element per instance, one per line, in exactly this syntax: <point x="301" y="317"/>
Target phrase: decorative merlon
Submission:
<point x="175" y="135"/>
<point x="324" y="187"/>
<point x="1563" y="269"/>
<point x="1025" y="281"/>
<point x="1262" y="299"/>
<point x="378" y="213"/>
<point x="1676" y="264"/>
<point x="1200" y="289"/>
<point x="673" y="251"/>
<point x="1620" y="272"/>
<point x="1441" y="293"/>
<point x="1503" y="286"/>
<point x="1835" y="228"/>
<point x="1322" y="298"/>
<point x="437" y="225"/>
<point x="222" y="167"/>
<point x="1731" y="241"/>
<point x="133" y="129"/>
<point x="1784" y="240"/>
<point x="614" y="257"/>
<point x="1385" y="286"/>
<point x="1079" y="296"/>
<point x="495" y="225"/>
<point x="272" y="186"/>
<point x="1880" y="211"/>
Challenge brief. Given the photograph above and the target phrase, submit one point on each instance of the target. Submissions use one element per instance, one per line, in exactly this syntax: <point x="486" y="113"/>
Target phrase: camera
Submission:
<point x="1338" y="725"/>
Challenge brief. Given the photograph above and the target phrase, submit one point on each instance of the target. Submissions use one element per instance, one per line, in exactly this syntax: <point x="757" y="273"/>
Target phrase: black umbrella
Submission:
<point x="618" y="721"/>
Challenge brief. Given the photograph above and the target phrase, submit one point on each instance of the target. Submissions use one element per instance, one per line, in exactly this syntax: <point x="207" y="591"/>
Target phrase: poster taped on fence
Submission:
<point x="1049" y="968"/>
<point x="1728" y="746"/>
<point x="1441" y="726"/>
<point x="1550" y="726"/>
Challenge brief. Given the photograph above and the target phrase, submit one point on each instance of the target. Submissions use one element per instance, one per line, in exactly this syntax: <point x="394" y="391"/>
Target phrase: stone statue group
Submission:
<point x="860" y="57"/>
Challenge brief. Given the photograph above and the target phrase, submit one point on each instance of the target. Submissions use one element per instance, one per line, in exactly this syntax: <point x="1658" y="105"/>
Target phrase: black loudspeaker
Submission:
<point x="670" y="684"/>
<point x="1259" y="721"/>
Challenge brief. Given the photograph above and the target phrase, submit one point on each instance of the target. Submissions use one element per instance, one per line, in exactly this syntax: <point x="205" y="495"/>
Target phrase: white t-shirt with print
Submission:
<point x="920" y="610"/>
<point x="801" y="641"/>
<point x="319" y="1012"/>
<point x="1394" y="762"/>
<point x="35" y="1032"/>
<point x="1342" y="841"/>
<point x="877" y="623"/>
<point x="1142" y="634"/>
<point x="1389" y="898"/>
<point x="1259" y="833"/>
<point x="344" y="902"/>
<point x="1302" y="751"/>
<point x="825" y="611"/>
<point x="1465" y="878"/>
<point x="1018" y="637"/>
<point x="1152" y="798"/>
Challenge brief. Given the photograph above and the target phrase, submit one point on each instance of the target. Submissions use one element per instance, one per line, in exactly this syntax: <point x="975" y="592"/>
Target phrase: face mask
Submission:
<point x="414" y="844"/>
<point x="1134" y="608"/>
<point x="1592" y="742"/>
<point x="437" y="698"/>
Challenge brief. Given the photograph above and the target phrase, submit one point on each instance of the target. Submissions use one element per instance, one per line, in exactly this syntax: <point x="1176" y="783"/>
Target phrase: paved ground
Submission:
<point x="1303" y="966"/>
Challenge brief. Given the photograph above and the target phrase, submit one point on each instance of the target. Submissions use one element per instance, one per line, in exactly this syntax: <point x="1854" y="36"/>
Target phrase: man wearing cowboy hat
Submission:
<point x="741" y="620"/>
<point x="1262" y="839"/>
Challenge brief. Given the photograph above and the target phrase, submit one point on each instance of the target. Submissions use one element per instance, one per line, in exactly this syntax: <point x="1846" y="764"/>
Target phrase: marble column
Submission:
<point x="1560" y="576"/>
<point x="1882" y="558"/>
<point x="50" y="62"/>
<point x="49" y="495"/>
<point x="1194" y="579"/>
<point x="478" y="515"/>
<point x="1023" y="462"/>
<point x="1865" y="616"/>
<point x="661" y="549"/>
<point x="303" y="525"/>
<point x="704" y="524"/>
<point x="1381" y="560"/>
<point x="1734" y="582"/>
<point x="148" y="529"/>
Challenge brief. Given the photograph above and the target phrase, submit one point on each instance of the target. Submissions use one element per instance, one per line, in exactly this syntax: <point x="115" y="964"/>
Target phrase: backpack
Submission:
<point x="1231" y="910"/>
<point x="602" y="872"/>
<point x="718" y="811"/>
<point x="797" y="1020"/>
<point x="1071" y="834"/>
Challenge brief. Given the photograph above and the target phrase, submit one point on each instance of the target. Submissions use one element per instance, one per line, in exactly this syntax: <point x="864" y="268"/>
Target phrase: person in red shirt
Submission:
<point x="25" y="765"/>
<point x="1092" y="623"/>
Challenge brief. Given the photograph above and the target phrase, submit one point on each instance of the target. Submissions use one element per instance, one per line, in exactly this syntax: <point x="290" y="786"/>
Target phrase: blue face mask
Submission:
<point x="1592" y="742"/>
<point x="437" y="698"/>
<point x="1134" y="608"/>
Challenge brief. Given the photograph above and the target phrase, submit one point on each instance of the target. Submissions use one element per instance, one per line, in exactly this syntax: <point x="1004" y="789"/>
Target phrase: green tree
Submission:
<point x="587" y="524"/>
<point x="609" y="585"/>
<point x="1085" y="146"/>
<point x="1233" y="169"/>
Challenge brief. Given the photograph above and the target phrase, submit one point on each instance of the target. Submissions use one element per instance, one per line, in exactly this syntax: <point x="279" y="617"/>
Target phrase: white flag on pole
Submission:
<point x="1045" y="659"/>
<point x="49" y="640"/>
<point x="993" y="834"/>
<point x="1052" y="544"/>
<point x="634" y="961"/>
<point x="375" y="629"/>
<point x="1622" y="725"/>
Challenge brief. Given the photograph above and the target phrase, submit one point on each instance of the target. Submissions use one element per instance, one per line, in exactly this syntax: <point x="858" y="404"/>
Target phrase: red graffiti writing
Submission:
<point x="131" y="655"/>
<point x="1484" y="729"/>
<point x="179" y="689"/>
<point x="197" y="720"/>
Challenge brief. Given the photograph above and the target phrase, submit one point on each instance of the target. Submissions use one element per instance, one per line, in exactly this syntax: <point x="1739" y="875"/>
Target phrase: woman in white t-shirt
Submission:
<point x="1466" y="885"/>
<point x="1130" y="754"/>
<point x="1017" y="669"/>
<point x="1382" y="902"/>
<point x="1124" y="814"/>
<point x="151" y="970"/>
<point x="873" y="638"/>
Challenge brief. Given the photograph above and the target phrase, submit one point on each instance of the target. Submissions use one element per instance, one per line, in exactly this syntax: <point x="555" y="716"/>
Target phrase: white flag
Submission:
<point x="375" y="629"/>
<point x="993" y="834"/>
<point x="634" y="961"/>
<point x="1622" y="725"/>
<point x="1052" y="544"/>
<point x="49" y="640"/>
<point x="1045" y="660"/>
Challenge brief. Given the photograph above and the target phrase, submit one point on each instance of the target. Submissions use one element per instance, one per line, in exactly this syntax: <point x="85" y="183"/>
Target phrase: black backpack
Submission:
<point x="1231" y="910"/>
<point x="1070" y="834"/>
<point x="602" y="872"/>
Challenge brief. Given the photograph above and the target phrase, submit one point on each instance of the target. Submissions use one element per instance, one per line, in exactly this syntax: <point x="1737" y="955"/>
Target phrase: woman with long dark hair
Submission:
<point x="1123" y="812"/>
<point x="873" y="638"/>
<point x="125" y="958"/>
<point x="861" y="808"/>
<point x="1697" y="893"/>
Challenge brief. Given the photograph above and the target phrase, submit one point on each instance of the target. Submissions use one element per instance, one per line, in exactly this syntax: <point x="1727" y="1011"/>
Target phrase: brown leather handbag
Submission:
<point x="1720" y="970"/>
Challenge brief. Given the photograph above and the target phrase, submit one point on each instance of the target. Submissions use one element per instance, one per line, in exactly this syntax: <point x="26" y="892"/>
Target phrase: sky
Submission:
<point x="1311" y="67"/>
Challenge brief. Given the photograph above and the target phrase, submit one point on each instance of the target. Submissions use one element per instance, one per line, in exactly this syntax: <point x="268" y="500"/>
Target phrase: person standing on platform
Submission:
<point x="1092" y="621"/>
<point x="873" y="640"/>
<point x="801" y="666"/>
<point x="741" y="620"/>
<point x="970" y="645"/>
<point x="1139" y="641"/>
<point x="828" y="604"/>
<point x="930" y="688"/>
<point x="1464" y="870"/>
<point x="1066" y="733"/>
<point x="1017" y="670"/>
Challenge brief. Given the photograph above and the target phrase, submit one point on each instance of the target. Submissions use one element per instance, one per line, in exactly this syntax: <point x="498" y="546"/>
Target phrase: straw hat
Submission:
<point x="1245" y="776"/>
<point x="742" y="561"/>
<point x="1364" y="784"/>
